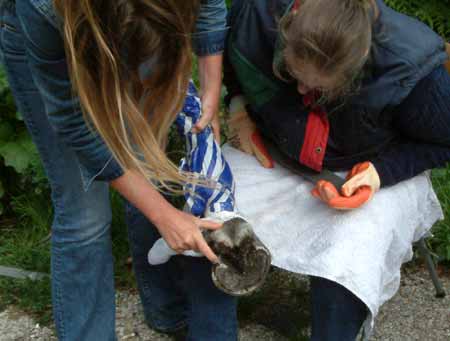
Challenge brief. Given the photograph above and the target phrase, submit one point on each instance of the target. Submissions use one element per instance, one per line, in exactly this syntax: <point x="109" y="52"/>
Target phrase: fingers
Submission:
<point x="208" y="224"/>
<point x="326" y="192"/>
<point x="204" y="249"/>
<point x="363" y="174"/>
<point x="241" y="142"/>
<point x="361" y="196"/>
<point x="200" y="243"/>
<point x="260" y="150"/>
<point x="315" y="193"/>
<point x="358" y="168"/>
<point x="353" y="184"/>
<point x="204" y="120"/>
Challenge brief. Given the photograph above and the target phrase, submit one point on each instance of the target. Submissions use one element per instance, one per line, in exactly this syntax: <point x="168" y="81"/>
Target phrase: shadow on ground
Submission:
<point x="282" y="305"/>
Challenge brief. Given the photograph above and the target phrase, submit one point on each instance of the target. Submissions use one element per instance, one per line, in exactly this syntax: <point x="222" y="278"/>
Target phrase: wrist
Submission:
<point x="210" y="101"/>
<point x="210" y="74"/>
<point x="162" y="215"/>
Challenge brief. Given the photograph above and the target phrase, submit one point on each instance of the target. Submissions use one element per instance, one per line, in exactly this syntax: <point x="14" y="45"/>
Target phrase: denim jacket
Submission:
<point x="47" y="61"/>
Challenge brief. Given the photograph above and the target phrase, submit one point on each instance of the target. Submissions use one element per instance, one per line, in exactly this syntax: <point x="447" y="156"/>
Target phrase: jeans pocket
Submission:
<point x="8" y="27"/>
<point x="11" y="37"/>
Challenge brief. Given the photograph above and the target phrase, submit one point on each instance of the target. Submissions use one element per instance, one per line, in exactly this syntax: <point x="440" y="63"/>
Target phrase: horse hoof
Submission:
<point x="244" y="260"/>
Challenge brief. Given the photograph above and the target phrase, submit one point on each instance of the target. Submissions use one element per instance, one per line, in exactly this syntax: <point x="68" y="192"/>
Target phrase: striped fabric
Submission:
<point x="204" y="158"/>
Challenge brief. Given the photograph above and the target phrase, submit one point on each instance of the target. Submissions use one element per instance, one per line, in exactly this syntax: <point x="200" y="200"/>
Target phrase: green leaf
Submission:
<point x="19" y="154"/>
<point x="2" y="190"/>
<point x="15" y="156"/>
<point x="6" y="131"/>
<point x="3" y="81"/>
<point x="19" y="116"/>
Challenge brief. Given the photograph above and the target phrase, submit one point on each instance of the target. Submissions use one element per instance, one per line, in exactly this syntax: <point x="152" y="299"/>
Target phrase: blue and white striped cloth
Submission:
<point x="204" y="158"/>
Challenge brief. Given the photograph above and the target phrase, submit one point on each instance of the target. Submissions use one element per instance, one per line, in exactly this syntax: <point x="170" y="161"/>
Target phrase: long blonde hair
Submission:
<point x="107" y="42"/>
<point x="332" y="35"/>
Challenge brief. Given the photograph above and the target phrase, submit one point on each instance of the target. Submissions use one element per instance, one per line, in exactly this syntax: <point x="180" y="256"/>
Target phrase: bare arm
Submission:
<point x="210" y="73"/>
<point x="180" y="230"/>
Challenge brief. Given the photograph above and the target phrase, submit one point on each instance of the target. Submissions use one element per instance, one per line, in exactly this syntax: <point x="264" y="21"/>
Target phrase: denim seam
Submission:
<point x="58" y="311"/>
<point x="199" y="34"/>
<point x="9" y="29"/>
<point x="146" y="299"/>
<point x="154" y="322"/>
<point x="48" y="13"/>
<point x="26" y="107"/>
<point x="210" y="50"/>
<point x="89" y="182"/>
<point x="55" y="188"/>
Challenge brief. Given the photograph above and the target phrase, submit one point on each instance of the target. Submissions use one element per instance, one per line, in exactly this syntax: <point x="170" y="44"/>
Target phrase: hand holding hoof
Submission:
<point x="244" y="260"/>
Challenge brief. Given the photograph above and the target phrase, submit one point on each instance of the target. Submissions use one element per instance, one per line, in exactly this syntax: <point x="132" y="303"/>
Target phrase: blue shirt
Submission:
<point x="46" y="57"/>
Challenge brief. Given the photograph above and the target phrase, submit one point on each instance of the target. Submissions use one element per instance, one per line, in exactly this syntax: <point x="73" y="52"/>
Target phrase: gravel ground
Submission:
<point x="413" y="314"/>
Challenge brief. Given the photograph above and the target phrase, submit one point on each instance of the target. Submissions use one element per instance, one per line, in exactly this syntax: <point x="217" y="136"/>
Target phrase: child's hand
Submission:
<point x="244" y="134"/>
<point x="362" y="182"/>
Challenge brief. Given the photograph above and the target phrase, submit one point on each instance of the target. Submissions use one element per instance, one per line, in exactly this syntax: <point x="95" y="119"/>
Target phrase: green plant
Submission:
<point x="434" y="13"/>
<point x="440" y="243"/>
<point x="31" y="297"/>
<point x="20" y="166"/>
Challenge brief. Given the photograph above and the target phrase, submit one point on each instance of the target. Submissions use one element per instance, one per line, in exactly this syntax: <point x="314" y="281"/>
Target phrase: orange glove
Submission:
<point x="362" y="182"/>
<point x="244" y="134"/>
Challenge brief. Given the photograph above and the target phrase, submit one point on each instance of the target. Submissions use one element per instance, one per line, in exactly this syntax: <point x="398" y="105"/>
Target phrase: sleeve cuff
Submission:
<point x="209" y="42"/>
<point x="386" y="177"/>
<point x="109" y="172"/>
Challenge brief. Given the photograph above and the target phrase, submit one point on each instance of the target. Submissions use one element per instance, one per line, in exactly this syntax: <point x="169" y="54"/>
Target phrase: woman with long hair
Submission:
<point x="99" y="83"/>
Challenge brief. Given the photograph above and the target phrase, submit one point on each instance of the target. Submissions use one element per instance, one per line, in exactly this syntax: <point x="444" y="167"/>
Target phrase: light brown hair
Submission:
<point x="334" y="36"/>
<point x="107" y="41"/>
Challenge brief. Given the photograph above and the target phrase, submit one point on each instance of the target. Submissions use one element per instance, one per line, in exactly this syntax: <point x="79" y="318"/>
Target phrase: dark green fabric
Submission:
<point x="258" y="89"/>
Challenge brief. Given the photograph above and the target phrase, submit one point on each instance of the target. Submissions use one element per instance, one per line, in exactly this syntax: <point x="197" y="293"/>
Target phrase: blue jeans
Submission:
<point x="336" y="313"/>
<point x="183" y="292"/>
<point x="81" y="258"/>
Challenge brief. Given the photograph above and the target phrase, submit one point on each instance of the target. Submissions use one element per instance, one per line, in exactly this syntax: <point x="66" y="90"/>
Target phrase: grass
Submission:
<point x="31" y="297"/>
<point x="440" y="243"/>
<point x="25" y="243"/>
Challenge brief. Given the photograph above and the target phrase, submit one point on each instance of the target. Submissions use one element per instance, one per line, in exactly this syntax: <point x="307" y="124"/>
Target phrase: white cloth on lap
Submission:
<point x="362" y="249"/>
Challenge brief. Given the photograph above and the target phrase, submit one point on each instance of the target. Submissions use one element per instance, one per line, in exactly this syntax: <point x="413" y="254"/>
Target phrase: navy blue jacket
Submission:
<point x="381" y="123"/>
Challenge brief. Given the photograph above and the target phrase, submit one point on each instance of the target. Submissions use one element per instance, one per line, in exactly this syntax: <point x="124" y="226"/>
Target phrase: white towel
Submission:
<point x="362" y="249"/>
